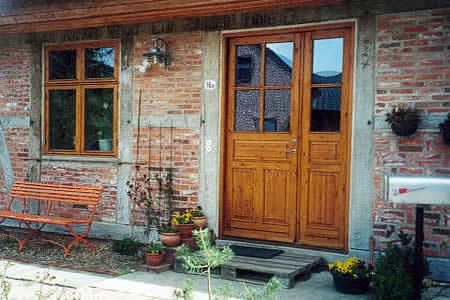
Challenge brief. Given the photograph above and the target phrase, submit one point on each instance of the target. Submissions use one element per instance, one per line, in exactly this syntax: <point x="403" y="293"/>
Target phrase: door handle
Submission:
<point x="291" y="150"/>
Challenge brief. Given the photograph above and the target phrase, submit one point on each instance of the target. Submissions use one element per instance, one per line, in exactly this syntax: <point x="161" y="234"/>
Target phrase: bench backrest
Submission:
<point x="78" y="194"/>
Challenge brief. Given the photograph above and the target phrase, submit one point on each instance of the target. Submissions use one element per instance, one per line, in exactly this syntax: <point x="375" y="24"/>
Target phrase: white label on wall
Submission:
<point x="210" y="85"/>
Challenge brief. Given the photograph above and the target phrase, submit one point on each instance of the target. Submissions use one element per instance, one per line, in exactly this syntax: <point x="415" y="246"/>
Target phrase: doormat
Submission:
<point x="255" y="252"/>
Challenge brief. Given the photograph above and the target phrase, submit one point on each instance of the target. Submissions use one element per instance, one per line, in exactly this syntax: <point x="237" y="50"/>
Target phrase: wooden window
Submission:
<point x="81" y="95"/>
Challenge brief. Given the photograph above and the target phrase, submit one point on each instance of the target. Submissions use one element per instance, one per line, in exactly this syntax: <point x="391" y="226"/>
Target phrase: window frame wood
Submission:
<point x="80" y="84"/>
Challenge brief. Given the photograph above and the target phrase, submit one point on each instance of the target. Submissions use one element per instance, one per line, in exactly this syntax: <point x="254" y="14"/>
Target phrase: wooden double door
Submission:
<point x="288" y="103"/>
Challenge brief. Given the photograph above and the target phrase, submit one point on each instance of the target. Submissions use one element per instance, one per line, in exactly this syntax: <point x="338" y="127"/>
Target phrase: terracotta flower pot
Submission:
<point x="200" y="222"/>
<point x="185" y="230"/>
<point x="170" y="239"/>
<point x="154" y="259"/>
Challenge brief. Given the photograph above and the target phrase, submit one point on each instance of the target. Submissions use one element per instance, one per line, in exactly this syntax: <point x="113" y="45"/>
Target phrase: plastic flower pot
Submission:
<point x="405" y="128"/>
<point x="349" y="285"/>
<point x="154" y="259"/>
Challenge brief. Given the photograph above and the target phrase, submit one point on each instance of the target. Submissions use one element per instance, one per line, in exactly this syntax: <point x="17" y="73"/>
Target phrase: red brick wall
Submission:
<point x="413" y="66"/>
<point x="168" y="93"/>
<point x="15" y="73"/>
<point x="85" y="173"/>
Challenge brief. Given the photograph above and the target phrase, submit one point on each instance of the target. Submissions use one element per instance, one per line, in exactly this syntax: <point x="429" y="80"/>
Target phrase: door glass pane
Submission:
<point x="99" y="111"/>
<point x="278" y="64"/>
<point x="327" y="60"/>
<point x="326" y="109"/>
<point x="62" y="64"/>
<point x="246" y="111"/>
<point x="248" y="65"/>
<point x="61" y="118"/>
<point x="99" y="62"/>
<point x="277" y="110"/>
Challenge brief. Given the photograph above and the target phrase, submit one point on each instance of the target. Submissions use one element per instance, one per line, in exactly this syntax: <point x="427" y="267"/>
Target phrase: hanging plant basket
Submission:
<point x="445" y="130"/>
<point x="405" y="128"/>
<point x="403" y="120"/>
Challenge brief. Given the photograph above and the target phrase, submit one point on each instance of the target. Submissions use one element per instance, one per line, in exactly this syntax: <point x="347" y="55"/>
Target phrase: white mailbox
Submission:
<point x="404" y="189"/>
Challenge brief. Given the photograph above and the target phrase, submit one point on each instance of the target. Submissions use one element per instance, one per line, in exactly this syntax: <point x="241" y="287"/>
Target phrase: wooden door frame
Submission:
<point x="351" y="25"/>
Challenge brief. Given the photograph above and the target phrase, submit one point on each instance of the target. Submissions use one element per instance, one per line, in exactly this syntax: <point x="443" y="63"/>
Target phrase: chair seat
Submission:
<point x="40" y="219"/>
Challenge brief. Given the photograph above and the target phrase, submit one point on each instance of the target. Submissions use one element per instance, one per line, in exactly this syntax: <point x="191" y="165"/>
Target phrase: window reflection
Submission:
<point x="326" y="109"/>
<point x="61" y="119"/>
<point x="248" y="65"/>
<point x="246" y="111"/>
<point x="62" y="64"/>
<point x="99" y="107"/>
<point x="327" y="60"/>
<point x="277" y="110"/>
<point x="99" y="62"/>
<point x="278" y="63"/>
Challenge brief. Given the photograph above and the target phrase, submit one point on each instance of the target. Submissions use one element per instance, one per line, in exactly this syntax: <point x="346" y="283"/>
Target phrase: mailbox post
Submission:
<point x="421" y="191"/>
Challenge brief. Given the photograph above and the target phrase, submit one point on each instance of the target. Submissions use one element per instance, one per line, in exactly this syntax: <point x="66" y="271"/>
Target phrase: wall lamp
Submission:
<point x="158" y="54"/>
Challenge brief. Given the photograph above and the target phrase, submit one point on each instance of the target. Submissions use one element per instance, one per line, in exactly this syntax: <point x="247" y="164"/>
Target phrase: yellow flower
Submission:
<point x="330" y="266"/>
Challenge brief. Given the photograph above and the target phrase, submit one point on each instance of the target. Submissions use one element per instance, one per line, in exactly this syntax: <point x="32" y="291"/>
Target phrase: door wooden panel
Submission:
<point x="262" y="134"/>
<point x="287" y="136"/>
<point x="325" y="147"/>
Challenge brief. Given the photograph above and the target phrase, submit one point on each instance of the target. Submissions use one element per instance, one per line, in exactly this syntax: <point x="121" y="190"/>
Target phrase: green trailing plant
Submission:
<point x="155" y="248"/>
<point x="127" y="246"/>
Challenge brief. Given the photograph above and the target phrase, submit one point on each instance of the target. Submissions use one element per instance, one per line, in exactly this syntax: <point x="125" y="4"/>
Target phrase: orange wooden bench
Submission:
<point x="47" y="195"/>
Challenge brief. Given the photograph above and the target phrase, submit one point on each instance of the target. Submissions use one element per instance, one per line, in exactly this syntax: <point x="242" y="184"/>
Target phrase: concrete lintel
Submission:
<point x="14" y="122"/>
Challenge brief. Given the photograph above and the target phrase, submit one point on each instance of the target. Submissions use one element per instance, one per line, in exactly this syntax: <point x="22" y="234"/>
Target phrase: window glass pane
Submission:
<point x="277" y="110"/>
<point x="61" y="118"/>
<point x="278" y="64"/>
<point x="325" y="109"/>
<point x="62" y="64"/>
<point x="327" y="60"/>
<point x="248" y="65"/>
<point x="99" y="62"/>
<point x="98" y="119"/>
<point x="246" y="111"/>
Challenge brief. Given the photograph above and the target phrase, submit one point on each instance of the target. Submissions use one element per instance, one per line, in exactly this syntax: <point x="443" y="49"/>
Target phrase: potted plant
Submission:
<point x="351" y="276"/>
<point x="127" y="246"/>
<point x="183" y="222"/>
<point x="170" y="236"/>
<point x="404" y="120"/>
<point x="445" y="129"/>
<point x="199" y="218"/>
<point x="154" y="254"/>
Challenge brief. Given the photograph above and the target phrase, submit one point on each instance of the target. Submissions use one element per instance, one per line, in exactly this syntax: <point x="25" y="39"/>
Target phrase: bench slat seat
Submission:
<point x="40" y="219"/>
<point x="88" y="196"/>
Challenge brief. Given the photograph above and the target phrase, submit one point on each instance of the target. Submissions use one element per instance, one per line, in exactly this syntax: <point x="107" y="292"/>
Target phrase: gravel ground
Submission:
<point x="101" y="260"/>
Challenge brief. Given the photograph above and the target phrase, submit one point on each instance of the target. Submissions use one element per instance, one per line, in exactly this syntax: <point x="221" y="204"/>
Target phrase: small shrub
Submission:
<point x="198" y="212"/>
<point x="126" y="246"/>
<point x="393" y="274"/>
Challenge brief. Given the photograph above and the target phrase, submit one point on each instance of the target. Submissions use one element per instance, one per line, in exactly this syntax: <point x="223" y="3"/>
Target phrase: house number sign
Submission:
<point x="210" y="85"/>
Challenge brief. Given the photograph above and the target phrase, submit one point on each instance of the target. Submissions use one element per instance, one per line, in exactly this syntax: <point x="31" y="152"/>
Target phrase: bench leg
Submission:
<point x="32" y="232"/>
<point x="77" y="239"/>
